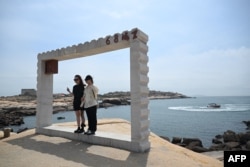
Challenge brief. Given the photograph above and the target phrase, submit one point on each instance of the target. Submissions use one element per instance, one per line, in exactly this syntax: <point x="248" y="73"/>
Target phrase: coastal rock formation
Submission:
<point x="193" y="144"/>
<point x="10" y="118"/>
<point x="152" y="95"/>
<point x="247" y="123"/>
<point x="165" y="95"/>
<point x="231" y="141"/>
<point x="14" y="108"/>
<point x="109" y="102"/>
<point x="228" y="141"/>
<point x="176" y="140"/>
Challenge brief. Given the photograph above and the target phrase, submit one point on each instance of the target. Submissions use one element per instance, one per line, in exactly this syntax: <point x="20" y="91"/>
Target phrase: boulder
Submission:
<point x="247" y="123"/>
<point x="244" y="137"/>
<point x="105" y="105"/>
<point x="230" y="136"/>
<point x="18" y="121"/>
<point x="176" y="140"/>
<point x="231" y="145"/>
<point x="217" y="147"/>
<point x="181" y="144"/>
<point x="187" y="141"/>
<point x="217" y="141"/>
<point x="218" y="136"/>
<point x="248" y="145"/>
<point x="195" y="143"/>
<point x="56" y="109"/>
<point x="27" y="112"/>
<point x="232" y="141"/>
<point x="165" y="138"/>
<point x="199" y="149"/>
<point x="236" y="149"/>
<point x="116" y="101"/>
<point x="196" y="146"/>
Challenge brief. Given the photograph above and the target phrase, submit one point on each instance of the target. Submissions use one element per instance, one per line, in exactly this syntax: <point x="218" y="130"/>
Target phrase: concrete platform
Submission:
<point x="122" y="141"/>
<point x="36" y="150"/>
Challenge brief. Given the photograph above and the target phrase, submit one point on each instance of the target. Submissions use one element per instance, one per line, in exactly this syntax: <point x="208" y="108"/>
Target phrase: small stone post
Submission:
<point x="6" y="132"/>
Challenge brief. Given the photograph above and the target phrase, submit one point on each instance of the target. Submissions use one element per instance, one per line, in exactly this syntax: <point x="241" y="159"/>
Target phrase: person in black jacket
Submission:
<point x="77" y="93"/>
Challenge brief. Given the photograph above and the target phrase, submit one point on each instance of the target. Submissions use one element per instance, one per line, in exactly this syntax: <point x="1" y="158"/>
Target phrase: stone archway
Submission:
<point x="47" y="65"/>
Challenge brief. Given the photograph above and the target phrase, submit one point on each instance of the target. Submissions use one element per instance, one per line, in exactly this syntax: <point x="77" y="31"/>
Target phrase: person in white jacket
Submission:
<point x="90" y="104"/>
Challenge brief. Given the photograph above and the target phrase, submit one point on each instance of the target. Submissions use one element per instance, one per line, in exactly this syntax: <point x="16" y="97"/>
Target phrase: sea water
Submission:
<point x="187" y="117"/>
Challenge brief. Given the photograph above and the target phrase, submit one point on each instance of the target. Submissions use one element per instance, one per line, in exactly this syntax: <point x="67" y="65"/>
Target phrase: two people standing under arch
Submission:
<point x="85" y="98"/>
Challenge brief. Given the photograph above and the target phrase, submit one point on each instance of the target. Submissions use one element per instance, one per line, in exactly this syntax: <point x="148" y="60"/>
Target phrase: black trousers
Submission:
<point x="92" y="118"/>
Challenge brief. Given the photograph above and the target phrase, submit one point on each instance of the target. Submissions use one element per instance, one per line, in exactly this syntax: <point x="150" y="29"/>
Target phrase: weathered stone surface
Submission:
<point x="231" y="145"/>
<point x="196" y="146"/>
<point x="26" y="112"/>
<point x="152" y="95"/>
<point x="217" y="141"/>
<point x="105" y="105"/>
<point x="187" y="141"/>
<point x="244" y="137"/>
<point x="199" y="149"/>
<point x="56" y="109"/>
<point x="218" y="136"/>
<point x="230" y="136"/>
<point x="247" y="123"/>
<point x="181" y="144"/>
<point x="248" y="145"/>
<point x="10" y="118"/>
<point x="193" y="144"/>
<point x="216" y="147"/>
<point x="176" y="140"/>
<point x="165" y="137"/>
<point x="231" y="141"/>
<point x="116" y="101"/>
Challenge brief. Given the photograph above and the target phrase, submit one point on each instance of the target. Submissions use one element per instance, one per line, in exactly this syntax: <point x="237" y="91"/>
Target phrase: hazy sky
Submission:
<point x="196" y="47"/>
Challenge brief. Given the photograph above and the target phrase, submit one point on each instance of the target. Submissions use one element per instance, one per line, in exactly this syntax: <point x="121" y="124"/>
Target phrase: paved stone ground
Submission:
<point x="30" y="149"/>
<point x="215" y="154"/>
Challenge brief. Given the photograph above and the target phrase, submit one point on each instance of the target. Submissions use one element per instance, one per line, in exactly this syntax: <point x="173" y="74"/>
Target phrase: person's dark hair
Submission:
<point x="80" y="78"/>
<point x="89" y="77"/>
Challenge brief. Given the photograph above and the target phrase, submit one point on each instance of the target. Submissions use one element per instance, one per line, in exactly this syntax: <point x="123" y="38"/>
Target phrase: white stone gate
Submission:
<point x="47" y="65"/>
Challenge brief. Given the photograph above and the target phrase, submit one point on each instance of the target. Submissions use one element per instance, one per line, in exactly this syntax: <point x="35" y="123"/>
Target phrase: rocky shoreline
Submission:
<point x="14" y="108"/>
<point x="228" y="141"/>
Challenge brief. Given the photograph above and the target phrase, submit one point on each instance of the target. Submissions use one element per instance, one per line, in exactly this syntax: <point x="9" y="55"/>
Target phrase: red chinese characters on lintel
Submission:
<point x="125" y="36"/>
